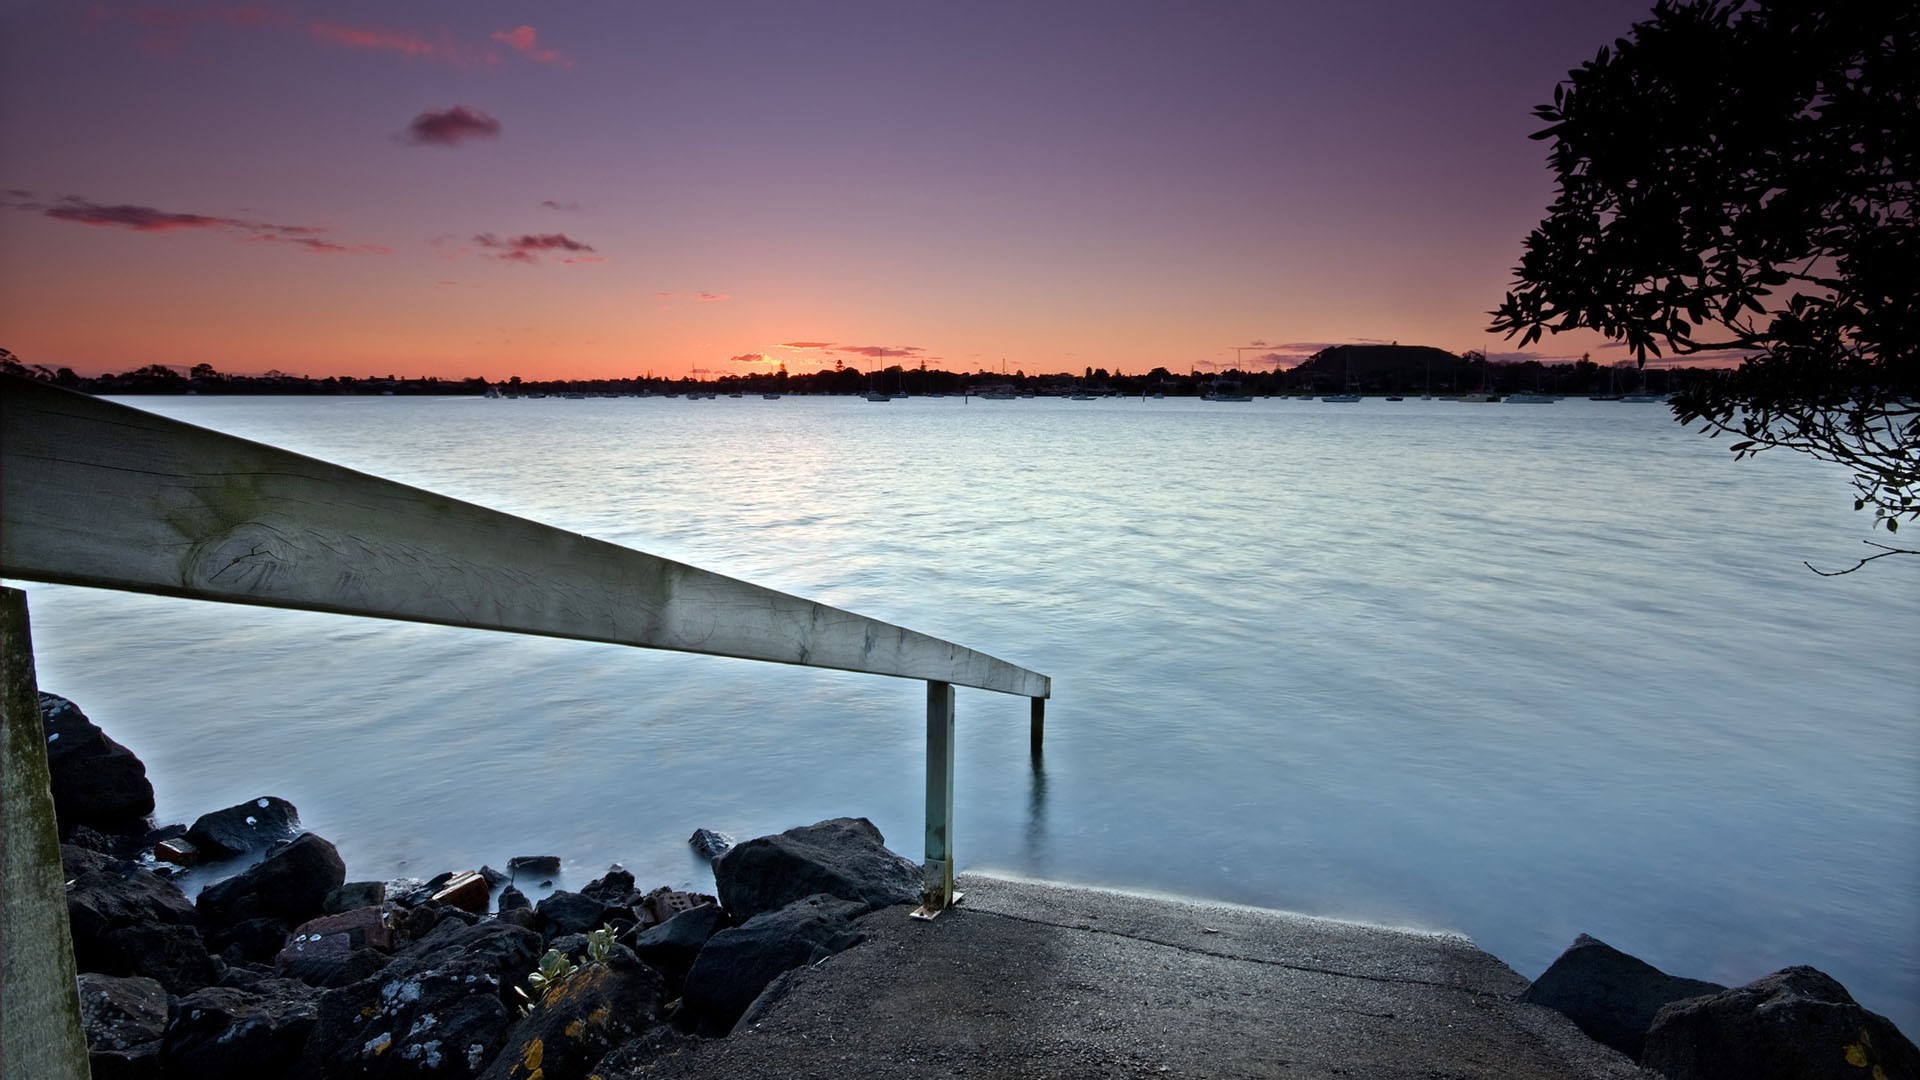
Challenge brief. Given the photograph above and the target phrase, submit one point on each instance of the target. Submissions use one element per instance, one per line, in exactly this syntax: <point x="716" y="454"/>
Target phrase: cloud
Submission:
<point x="567" y="207"/>
<point x="529" y="247"/>
<point x="451" y="127"/>
<point x="749" y="358"/>
<point x="148" y="219"/>
<point x="697" y="297"/>
<point x="880" y="350"/>
<point x="523" y="39"/>
<point x="376" y="39"/>
<point x="805" y="344"/>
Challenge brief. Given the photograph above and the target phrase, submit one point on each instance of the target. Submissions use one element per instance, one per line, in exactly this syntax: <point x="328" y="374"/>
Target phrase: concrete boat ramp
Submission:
<point x="1025" y="979"/>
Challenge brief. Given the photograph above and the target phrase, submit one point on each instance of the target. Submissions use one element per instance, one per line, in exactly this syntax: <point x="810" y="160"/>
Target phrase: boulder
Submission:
<point x="1608" y="994"/>
<point x="440" y="1009"/>
<point x="576" y="913"/>
<point x="842" y="857"/>
<point x="251" y="826"/>
<point x="737" y="964"/>
<point x="533" y="866"/>
<point x="335" y="950"/>
<point x="96" y="781"/>
<point x="1795" y="1024"/>
<point x="124" y="1019"/>
<point x="614" y="890"/>
<point x="672" y="945"/>
<point x="512" y="899"/>
<point x="223" y="1031"/>
<point x="249" y="941"/>
<point x="710" y="845"/>
<point x="126" y="921"/>
<point x="586" y="1016"/>
<point x="291" y="885"/>
<point x="355" y="894"/>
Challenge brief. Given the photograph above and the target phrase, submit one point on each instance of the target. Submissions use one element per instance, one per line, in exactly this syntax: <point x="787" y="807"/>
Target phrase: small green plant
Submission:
<point x="555" y="969"/>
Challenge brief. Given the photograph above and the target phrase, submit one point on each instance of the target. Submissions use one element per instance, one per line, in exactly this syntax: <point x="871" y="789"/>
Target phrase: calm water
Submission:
<point x="1516" y="671"/>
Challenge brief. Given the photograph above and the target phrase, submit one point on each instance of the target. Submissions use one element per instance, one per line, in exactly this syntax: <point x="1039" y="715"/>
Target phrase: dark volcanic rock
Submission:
<point x="223" y="1031"/>
<point x="576" y="913"/>
<point x="737" y="964"/>
<point x="96" y="781"/>
<point x="590" y="1013"/>
<point x="533" y="866"/>
<point x="438" y="1010"/>
<point x="249" y="941"/>
<point x="709" y="844"/>
<point x="124" y="1020"/>
<point x="673" y="944"/>
<point x="1608" y="994"/>
<point x="512" y="899"/>
<point x="355" y="894"/>
<point x="1795" y="1024"/>
<point x="251" y="826"/>
<point x="291" y="885"/>
<point x="613" y="890"/>
<point x="843" y="857"/>
<point x="126" y="921"/>
<point x="335" y="950"/>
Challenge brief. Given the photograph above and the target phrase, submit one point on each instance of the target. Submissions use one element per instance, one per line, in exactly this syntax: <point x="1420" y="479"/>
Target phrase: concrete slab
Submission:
<point x="1032" y="979"/>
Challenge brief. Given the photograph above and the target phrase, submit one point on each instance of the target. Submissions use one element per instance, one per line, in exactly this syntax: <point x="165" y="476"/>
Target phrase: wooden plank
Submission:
<point x="40" y="1031"/>
<point x="96" y="493"/>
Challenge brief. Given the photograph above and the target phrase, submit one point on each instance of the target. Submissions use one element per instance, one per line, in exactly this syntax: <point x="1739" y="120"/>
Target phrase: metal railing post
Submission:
<point x="938" y="868"/>
<point x="40" y="1031"/>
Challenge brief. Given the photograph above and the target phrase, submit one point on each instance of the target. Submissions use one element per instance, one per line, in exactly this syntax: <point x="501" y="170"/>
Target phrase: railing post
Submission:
<point x="39" y="993"/>
<point x="938" y="868"/>
<point x="1037" y="726"/>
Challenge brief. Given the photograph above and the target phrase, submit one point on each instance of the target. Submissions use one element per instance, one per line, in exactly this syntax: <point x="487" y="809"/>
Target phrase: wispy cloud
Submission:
<point x="749" y="358"/>
<point x="564" y="207"/>
<point x="530" y="247"/>
<point x="696" y="297"/>
<point x="524" y="40"/>
<point x="805" y="344"/>
<point x="149" y="219"/>
<point x="880" y="350"/>
<point x="451" y="127"/>
<point x="405" y="42"/>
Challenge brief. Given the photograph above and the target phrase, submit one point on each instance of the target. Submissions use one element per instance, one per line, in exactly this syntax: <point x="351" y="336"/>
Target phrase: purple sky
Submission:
<point x="480" y="188"/>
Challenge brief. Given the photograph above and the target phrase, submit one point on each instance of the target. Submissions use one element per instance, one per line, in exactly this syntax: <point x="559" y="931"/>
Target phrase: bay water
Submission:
<point x="1516" y="671"/>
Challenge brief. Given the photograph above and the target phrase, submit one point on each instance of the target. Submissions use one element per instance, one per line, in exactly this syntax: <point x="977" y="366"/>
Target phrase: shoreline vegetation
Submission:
<point x="1367" y="370"/>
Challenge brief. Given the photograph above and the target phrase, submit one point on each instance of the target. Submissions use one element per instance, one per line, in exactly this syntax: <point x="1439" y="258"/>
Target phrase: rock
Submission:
<point x="96" y="781"/>
<point x="590" y="1013"/>
<point x="124" y="1019"/>
<point x="533" y="866"/>
<point x="672" y="945"/>
<point x="574" y="913"/>
<point x="223" y="1031"/>
<point x="737" y="964"/>
<point x="249" y="941"/>
<point x="613" y="889"/>
<point x="634" y="1055"/>
<point x="495" y="878"/>
<point x="353" y="895"/>
<point x="438" y="1010"/>
<point x="466" y="890"/>
<point x="709" y="844"/>
<point x="843" y="857"/>
<point x="251" y="826"/>
<point x="663" y="903"/>
<point x="179" y="851"/>
<point x="126" y="921"/>
<point x="1795" y="1024"/>
<point x="291" y="885"/>
<point x="512" y="899"/>
<point x="1608" y="994"/>
<point x="409" y="892"/>
<point x="335" y="950"/>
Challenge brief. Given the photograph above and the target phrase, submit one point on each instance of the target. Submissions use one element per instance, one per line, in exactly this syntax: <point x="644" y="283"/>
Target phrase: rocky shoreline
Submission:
<point x="287" y="968"/>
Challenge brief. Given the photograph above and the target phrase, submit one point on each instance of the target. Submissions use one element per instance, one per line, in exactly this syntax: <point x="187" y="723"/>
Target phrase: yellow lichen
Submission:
<point x="531" y="1057"/>
<point x="574" y="1028"/>
<point x="598" y="1017"/>
<point x="1856" y="1056"/>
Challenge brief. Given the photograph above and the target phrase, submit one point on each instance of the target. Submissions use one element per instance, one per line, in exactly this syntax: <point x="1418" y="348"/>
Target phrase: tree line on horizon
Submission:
<point x="1363" y="369"/>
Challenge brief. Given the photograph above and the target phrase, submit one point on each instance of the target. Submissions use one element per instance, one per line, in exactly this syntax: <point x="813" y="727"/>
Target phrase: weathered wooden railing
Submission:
<point x="98" y="494"/>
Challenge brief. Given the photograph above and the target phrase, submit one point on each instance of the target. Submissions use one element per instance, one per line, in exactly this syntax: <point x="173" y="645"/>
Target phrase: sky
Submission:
<point x="615" y="189"/>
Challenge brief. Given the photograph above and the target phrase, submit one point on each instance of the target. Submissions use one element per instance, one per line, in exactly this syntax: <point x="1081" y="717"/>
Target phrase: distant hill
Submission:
<point x="1380" y="368"/>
